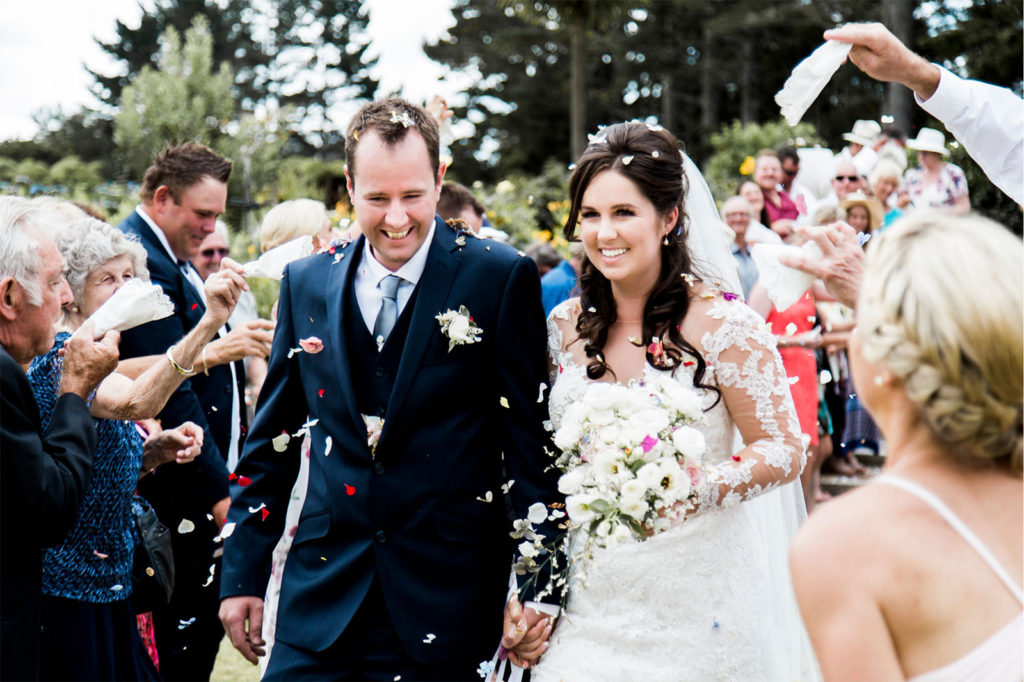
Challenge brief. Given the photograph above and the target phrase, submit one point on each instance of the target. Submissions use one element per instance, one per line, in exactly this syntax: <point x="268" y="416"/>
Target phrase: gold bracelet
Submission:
<point x="178" y="368"/>
<point x="206" y="367"/>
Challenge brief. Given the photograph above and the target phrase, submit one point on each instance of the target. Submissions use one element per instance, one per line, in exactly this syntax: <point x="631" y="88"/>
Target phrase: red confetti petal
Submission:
<point x="331" y="250"/>
<point x="350" y="489"/>
<point x="232" y="476"/>
<point x="735" y="458"/>
<point x="265" y="513"/>
<point x="689" y="363"/>
<point x="320" y="393"/>
<point x="194" y="306"/>
<point x="244" y="481"/>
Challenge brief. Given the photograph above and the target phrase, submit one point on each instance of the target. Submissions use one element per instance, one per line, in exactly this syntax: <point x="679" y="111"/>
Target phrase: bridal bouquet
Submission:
<point x="631" y="458"/>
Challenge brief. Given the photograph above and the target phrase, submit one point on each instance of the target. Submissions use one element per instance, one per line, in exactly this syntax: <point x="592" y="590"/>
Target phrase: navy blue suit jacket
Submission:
<point x="205" y="400"/>
<point x="411" y="514"/>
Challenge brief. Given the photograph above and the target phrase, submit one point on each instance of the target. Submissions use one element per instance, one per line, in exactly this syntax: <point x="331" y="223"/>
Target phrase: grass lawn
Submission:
<point x="231" y="667"/>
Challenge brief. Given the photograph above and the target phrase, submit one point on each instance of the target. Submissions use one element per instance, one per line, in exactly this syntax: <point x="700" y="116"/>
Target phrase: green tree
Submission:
<point x="32" y="171"/>
<point x="736" y="141"/>
<point x="183" y="100"/>
<point x="72" y="172"/>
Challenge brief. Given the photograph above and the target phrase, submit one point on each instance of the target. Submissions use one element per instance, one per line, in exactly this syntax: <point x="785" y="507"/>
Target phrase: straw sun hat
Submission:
<point x="876" y="214"/>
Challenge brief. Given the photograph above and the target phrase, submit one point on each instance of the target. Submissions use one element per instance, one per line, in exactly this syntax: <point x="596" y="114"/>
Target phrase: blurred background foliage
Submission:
<point x="234" y="74"/>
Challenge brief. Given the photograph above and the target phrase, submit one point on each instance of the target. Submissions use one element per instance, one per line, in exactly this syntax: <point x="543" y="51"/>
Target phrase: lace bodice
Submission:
<point x="744" y="365"/>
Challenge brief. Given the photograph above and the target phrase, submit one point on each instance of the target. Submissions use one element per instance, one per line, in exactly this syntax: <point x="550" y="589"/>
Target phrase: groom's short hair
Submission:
<point x="392" y="118"/>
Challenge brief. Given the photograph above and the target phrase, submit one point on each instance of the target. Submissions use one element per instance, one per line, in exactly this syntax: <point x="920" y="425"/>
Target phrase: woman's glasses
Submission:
<point x="210" y="253"/>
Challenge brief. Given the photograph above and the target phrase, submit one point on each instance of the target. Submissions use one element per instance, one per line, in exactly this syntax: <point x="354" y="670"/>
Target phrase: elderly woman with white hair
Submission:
<point x="88" y="626"/>
<point x="933" y="551"/>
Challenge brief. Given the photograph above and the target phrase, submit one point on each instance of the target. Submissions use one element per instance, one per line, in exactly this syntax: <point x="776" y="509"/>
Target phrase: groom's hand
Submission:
<point x="234" y="612"/>
<point x="525" y="633"/>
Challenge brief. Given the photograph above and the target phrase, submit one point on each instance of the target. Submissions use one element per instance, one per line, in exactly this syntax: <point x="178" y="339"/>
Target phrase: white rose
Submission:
<point x="537" y="513"/>
<point x="634" y="508"/>
<point x="578" y="507"/>
<point x="604" y="396"/>
<point x="604" y="529"/>
<point x="633" y="490"/>
<point x="602" y="417"/>
<point x="567" y="437"/>
<point x="652" y="421"/>
<point x="608" y="434"/>
<point x="682" y="399"/>
<point x="689" y="441"/>
<point x="458" y="330"/>
<point x="527" y="549"/>
<point x="571" y="482"/>
<point x="622" y="533"/>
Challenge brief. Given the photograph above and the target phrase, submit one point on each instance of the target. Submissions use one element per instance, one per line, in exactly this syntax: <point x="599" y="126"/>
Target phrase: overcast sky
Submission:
<point x="44" y="44"/>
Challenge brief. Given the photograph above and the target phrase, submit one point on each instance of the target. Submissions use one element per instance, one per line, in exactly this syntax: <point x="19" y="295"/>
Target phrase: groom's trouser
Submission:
<point x="368" y="649"/>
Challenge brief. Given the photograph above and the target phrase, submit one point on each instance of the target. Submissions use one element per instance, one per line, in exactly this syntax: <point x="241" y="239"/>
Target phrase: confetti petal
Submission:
<point x="264" y="513"/>
<point x="117" y="588"/>
<point x="350" y="490"/>
<point x="280" y="443"/>
<point x="540" y="393"/>
<point x="182" y="624"/>
<point x="253" y="510"/>
<point x="328" y="444"/>
<point x="790" y="329"/>
<point x="505" y="487"/>
<point x="320" y="393"/>
<point x="504" y="401"/>
<point x="244" y="481"/>
<point x="429" y="638"/>
<point x="225" y="532"/>
<point x="101" y="555"/>
<point x="488" y="497"/>
<point x="186" y="526"/>
<point x="312" y="345"/>
<point x="627" y="159"/>
<point x="194" y="306"/>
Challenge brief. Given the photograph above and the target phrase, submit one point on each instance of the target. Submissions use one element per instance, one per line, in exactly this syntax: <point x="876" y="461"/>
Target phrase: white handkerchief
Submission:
<point x="271" y="264"/>
<point x="136" y="302"/>
<point x="784" y="285"/>
<point x="809" y="78"/>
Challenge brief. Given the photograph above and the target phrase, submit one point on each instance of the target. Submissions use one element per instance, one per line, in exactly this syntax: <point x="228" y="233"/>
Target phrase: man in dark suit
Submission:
<point x="182" y="194"/>
<point x="400" y="564"/>
<point x="44" y="474"/>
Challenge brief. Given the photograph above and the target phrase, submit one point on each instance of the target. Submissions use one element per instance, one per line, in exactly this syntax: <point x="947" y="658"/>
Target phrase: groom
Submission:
<point x="400" y="563"/>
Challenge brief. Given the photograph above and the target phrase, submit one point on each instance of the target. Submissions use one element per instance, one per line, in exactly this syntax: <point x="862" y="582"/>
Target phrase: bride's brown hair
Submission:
<point x="648" y="156"/>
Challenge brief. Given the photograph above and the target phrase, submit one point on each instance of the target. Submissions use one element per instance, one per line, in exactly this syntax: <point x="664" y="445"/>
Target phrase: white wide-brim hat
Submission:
<point x="864" y="133"/>
<point x="929" y="140"/>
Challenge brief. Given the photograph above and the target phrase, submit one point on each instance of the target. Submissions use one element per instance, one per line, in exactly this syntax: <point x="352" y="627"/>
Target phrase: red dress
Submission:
<point x="800" y="362"/>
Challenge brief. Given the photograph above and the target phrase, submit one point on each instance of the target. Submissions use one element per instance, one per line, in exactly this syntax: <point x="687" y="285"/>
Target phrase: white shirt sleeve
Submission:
<point x="989" y="122"/>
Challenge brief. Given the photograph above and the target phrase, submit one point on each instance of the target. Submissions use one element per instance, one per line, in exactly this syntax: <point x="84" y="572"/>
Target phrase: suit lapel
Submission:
<point x="339" y="278"/>
<point x="155" y="251"/>
<point x="434" y="285"/>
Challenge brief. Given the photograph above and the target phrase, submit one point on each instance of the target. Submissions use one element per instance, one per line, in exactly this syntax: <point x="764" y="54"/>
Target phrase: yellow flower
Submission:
<point x="747" y="167"/>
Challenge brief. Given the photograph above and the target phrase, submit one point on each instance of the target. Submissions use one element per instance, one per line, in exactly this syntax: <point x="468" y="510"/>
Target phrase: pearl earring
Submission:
<point x="665" y="240"/>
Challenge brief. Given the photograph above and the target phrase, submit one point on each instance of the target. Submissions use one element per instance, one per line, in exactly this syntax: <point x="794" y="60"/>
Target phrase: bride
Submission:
<point x="709" y="598"/>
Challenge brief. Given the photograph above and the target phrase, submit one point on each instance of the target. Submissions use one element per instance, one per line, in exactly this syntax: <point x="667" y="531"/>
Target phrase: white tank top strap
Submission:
<point x="962" y="530"/>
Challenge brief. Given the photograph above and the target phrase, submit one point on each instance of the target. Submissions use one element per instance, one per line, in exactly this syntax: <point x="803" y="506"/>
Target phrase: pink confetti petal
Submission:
<point x="648" y="443"/>
<point x="312" y="345"/>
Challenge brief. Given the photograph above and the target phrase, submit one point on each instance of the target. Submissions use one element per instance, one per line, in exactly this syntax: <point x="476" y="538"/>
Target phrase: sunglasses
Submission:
<point x="848" y="178"/>
<point x="209" y="253"/>
<point x="790" y="173"/>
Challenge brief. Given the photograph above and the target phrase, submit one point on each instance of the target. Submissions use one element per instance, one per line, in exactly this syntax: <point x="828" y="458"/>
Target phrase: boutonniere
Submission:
<point x="458" y="327"/>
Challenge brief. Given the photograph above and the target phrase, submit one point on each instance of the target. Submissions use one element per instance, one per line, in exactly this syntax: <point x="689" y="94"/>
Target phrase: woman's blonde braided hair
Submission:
<point x="941" y="307"/>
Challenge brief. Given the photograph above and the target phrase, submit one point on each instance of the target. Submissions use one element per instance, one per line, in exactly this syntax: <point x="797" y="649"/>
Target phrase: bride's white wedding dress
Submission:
<point x="709" y="599"/>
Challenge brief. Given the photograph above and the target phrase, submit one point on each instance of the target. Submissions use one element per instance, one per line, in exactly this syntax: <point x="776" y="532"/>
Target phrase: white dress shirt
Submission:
<point x="989" y="122"/>
<point x="370" y="273"/>
<point x="192" y="275"/>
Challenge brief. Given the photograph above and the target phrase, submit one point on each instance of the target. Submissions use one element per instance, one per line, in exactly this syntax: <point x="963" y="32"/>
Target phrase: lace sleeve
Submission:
<point x="561" y="324"/>
<point x="740" y="350"/>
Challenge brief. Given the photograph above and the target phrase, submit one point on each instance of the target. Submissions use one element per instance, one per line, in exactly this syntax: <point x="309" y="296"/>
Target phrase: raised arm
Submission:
<point x="119" y="397"/>
<point x="749" y="372"/>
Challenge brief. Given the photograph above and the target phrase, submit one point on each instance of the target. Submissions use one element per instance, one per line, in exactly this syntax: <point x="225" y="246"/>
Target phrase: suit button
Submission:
<point x="378" y="468"/>
<point x="380" y="537"/>
<point x="380" y="370"/>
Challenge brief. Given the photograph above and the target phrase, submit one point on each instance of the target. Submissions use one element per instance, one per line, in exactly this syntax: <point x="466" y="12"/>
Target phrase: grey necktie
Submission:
<point x="388" y="313"/>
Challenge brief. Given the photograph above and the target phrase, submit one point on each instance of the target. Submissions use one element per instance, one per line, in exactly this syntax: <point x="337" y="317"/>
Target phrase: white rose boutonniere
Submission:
<point x="458" y="327"/>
